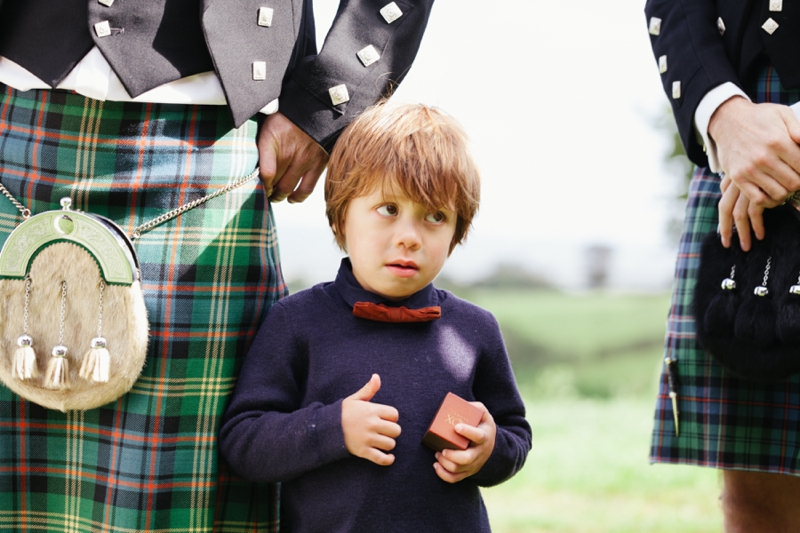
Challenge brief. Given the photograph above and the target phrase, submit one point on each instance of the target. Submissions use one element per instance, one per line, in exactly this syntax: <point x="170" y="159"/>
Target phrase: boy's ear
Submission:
<point x="339" y="237"/>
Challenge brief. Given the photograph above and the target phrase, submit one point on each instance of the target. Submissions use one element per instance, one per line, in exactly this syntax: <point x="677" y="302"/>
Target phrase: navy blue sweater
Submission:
<point x="284" y="420"/>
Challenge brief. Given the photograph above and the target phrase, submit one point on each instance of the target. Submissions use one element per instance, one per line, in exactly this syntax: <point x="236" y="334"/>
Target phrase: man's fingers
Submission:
<point x="726" y="204"/>
<point x="792" y="124"/>
<point x="297" y="183"/>
<point x="756" y="215"/>
<point x="267" y="167"/>
<point x="776" y="182"/>
<point x="756" y="148"/>
<point x="753" y="192"/>
<point x="288" y="156"/>
<point x="742" y="221"/>
<point x="306" y="185"/>
<point x="724" y="183"/>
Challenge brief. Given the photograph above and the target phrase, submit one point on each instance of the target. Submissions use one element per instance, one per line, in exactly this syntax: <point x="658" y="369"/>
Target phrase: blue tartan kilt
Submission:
<point x="147" y="461"/>
<point x="725" y="421"/>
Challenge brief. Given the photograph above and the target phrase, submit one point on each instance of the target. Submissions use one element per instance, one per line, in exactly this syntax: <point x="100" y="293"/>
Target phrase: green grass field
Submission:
<point x="588" y="473"/>
<point x="588" y="367"/>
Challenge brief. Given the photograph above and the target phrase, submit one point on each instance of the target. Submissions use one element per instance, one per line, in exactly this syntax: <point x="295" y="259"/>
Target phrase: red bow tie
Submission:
<point x="383" y="313"/>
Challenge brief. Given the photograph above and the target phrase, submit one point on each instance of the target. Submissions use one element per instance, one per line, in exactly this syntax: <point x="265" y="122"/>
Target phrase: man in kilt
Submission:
<point x="730" y="69"/>
<point x="132" y="109"/>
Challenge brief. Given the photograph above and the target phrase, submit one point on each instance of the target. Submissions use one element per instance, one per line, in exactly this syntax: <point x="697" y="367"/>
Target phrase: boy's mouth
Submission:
<point x="403" y="268"/>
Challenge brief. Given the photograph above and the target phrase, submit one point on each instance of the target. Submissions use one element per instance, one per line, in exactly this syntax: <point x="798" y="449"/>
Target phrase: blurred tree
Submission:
<point x="513" y="276"/>
<point x="678" y="165"/>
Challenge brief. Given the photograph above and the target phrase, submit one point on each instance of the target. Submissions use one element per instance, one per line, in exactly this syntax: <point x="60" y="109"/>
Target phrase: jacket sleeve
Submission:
<point x="496" y="388"/>
<point x="687" y="42"/>
<point x="266" y="435"/>
<point x="367" y="52"/>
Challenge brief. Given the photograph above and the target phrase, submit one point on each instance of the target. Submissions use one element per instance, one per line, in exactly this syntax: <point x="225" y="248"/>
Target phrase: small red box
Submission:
<point x="454" y="410"/>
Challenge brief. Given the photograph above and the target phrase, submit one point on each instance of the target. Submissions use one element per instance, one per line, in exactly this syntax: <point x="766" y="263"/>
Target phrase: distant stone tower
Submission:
<point x="598" y="262"/>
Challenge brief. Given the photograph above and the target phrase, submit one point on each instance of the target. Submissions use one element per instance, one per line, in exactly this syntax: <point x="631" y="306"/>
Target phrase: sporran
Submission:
<point x="73" y="322"/>
<point x="747" y="304"/>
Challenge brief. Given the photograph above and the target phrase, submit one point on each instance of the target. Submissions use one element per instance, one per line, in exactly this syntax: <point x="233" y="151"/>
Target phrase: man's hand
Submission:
<point x="758" y="150"/>
<point x="369" y="428"/>
<point x="735" y="208"/>
<point x="291" y="162"/>
<point x="454" y="465"/>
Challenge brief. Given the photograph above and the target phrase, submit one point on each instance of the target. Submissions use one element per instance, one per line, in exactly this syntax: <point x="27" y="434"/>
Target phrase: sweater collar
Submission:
<point x="351" y="292"/>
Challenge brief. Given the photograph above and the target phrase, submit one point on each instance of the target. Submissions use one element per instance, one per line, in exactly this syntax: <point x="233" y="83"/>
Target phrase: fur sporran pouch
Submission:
<point x="747" y="304"/>
<point x="73" y="322"/>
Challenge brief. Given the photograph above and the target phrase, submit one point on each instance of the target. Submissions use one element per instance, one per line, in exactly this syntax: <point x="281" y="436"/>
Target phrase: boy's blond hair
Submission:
<point x="414" y="147"/>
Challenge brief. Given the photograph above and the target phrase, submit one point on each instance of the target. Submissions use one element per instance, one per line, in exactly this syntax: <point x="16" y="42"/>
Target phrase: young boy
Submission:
<point x="336" y="392"/>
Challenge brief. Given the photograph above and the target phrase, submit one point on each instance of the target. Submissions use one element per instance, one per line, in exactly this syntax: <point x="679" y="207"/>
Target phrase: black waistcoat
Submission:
<point x="153" y="42"/>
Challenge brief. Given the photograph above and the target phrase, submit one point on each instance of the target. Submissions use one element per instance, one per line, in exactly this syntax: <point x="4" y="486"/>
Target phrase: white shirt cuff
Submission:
<point x="796" y="109"/>
<point x="270" y="108"/>
<point x="702" y="115"/>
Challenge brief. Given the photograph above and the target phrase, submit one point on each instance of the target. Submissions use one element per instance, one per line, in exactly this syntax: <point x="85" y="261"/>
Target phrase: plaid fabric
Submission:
<point x="725" y="422"/>
<point x="148" y="461"/>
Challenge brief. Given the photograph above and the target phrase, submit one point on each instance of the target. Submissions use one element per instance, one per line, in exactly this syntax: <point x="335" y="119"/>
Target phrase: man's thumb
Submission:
<point x="369" y="390"/>
<point x="792" y="119"/>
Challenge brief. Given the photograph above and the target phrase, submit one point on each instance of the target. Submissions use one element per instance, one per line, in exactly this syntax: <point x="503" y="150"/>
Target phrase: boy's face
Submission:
<point x="396" y="246"/>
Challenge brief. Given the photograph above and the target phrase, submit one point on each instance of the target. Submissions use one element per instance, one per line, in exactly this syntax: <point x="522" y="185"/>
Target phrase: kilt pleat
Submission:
<point x="148" y="461"/>
<point x="725" y="422"/>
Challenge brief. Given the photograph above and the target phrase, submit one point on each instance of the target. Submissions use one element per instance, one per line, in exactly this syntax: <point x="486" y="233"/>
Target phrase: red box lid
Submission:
<point x="441" y="433"/>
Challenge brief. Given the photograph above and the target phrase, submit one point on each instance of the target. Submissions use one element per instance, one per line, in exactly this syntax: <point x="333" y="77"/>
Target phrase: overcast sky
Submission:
<point x="560" y="102"/>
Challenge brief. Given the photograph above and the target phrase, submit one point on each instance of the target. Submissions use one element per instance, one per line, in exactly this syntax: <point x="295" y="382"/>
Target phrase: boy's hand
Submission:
<point x="454" y="465"/>
<point x="369" y="427"/>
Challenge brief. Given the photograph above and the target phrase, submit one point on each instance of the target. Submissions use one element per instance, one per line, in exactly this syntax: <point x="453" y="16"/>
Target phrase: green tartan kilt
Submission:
<point x="724" y="421"/>
<point x="148" y="461"/>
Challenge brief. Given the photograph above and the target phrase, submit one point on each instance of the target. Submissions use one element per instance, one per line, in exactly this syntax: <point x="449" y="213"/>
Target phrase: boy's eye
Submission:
<point x="436" y="218"/>
<point x="388" y="210"/>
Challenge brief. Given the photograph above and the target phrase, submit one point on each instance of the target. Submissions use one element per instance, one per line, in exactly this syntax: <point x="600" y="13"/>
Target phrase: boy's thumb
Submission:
<point x="369" y="390"/>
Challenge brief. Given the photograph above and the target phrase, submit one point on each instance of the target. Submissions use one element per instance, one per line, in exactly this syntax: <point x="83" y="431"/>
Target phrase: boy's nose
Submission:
<point x="408" y="235"/>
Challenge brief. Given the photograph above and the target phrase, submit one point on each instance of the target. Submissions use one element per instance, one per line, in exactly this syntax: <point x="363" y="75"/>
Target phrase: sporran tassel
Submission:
<point x="24" y="363"/>
<point x="96" y="362"/>
<point x="57" y="375"/>
<point x="721" y="312"/>
<point x="25" y="359"/>
<point x="788" y="319"/>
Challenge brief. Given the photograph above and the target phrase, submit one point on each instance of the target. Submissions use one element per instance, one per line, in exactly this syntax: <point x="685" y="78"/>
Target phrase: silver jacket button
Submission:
<point x="339" y="94"/>
<point x="676" y="90"/>
<point x="368" y="55"/>
<point x="391" y="12"/>
<point x="259" y="70"/>
<point x="265" y="16"/>
<point x="655" y="26"/>
<point x="770" y="26"/>
<point x="103" y="29"/>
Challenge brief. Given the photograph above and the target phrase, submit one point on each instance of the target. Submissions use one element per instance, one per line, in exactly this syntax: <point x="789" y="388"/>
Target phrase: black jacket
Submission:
<point x="157" y="41"/>
<point x="707" y="43"/>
